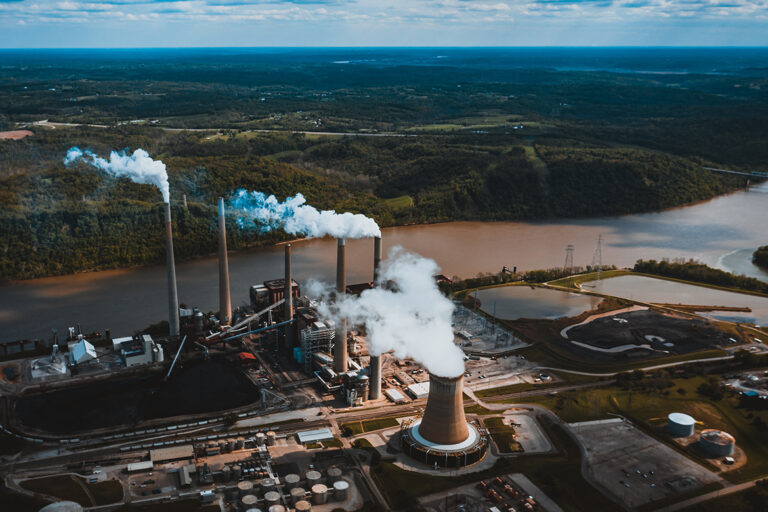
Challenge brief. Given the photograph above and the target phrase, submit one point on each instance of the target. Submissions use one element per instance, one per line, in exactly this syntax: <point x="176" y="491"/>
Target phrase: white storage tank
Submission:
<point x="303" y="506"/>
<point x="717" y="443"/>
<point x="277" y="508"/>
<point x="248" y="501"/>
<point x="244" y="487"/>
<point x="334" y="475"/>
<point x="291" y="480"/>
<point x="319" y="494"/>
<point x="267" y="484"/>
<point x="261" y="438"/>
<point x="340" y="490"/>
<point x="271" y="438"/>
<point x="297" y="494"/>
<point x="680" y="425"/>
<point x="62" y="506"/>
<point x="313" y="478"/>
<point x="272" y="497"/>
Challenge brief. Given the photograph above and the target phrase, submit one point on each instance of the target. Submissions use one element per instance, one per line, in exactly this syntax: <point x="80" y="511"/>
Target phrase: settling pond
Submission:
<point x="514" y="302"/>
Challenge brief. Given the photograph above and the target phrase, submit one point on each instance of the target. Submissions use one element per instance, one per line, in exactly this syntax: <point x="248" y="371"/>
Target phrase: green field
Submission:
<point x="64" y="487"/>
<point x="359" y="427"/>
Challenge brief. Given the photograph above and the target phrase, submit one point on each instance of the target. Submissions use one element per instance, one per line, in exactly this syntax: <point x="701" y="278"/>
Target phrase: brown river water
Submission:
<point x="721" y="232"/>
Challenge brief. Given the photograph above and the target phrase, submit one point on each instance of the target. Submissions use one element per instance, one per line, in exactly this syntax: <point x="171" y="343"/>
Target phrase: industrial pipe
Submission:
<point x="340" y="344"/>
<point x="225" y="301"/>
<point x="173" y="295"/>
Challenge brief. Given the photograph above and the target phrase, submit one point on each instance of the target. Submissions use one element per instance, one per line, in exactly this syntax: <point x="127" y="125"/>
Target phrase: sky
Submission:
<point x="212" y="23"/>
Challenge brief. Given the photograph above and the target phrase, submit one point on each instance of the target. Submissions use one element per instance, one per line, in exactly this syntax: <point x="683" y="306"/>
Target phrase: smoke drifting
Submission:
<point x="266" y="213"/>
<point x="138" y="167"/>
<point x="407" y="315"/>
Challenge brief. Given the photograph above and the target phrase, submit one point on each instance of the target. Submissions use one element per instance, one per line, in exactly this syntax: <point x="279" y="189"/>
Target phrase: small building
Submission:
<point x="314" y="436"/>
<point x="185" y="475"/>
<point x="138" y="467"/>
<point x="82" y="352"/>
<point x="139" y="350"/>
<point x="181" y="452"/>
<point x="419" y="390"/>
<point x="276" y="289"/>
<point x="395" y="395"/>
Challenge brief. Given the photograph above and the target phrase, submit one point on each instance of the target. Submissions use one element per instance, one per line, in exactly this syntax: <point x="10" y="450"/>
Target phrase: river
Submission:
<point x="721" y="232"/>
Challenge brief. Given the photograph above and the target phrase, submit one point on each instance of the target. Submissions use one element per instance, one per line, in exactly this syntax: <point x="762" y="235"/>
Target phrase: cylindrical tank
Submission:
<point x="239" y="443"/>
<point x="340" y="490"/>
<point x="62" y="506"/>
<point x="291" y="480"/>
<point x="319" y="494"/>
<point x="271" y="438"/>
<point x="277" y="508"/>
<point x="248" y="501"/>
<point x="267" y="484"/>
<point x="313" y="477"/>
<point x="237" y="472"/>
<point x="680" y="425"/>
<point x="303" y="506"/>
<point x="272" y="497"/>
<point x="444" y="421"/>
<point x="253" y="510"/>
<point x="717" y="443"/>
<point x="244" y="487"/>
<point x="297" y="494"/>
<point x="261" y="438"/>
<point x="334" y="475"/>
<point x="226" y="473"/>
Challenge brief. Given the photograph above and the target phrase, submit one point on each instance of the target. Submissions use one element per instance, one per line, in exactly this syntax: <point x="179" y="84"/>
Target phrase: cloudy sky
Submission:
<point x="146" y="23"/>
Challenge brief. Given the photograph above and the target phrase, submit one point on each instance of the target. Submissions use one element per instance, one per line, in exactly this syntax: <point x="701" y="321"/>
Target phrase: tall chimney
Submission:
<point x="289" y="337"/>
<point x="225" y="302"/>
<point x="374" y="389"/>
<point x="173" y="295"/>
<point x="340" y="343"/>
<point x="444" y="421"/>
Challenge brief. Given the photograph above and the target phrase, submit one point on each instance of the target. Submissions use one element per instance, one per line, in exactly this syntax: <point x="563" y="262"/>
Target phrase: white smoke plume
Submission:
<point x="406" y="314"/>
<point x="138" y="167"/>
<point x="265" y="213"/>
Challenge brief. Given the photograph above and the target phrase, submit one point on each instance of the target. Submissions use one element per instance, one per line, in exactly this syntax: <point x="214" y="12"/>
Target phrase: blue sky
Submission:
<point x="145" y="23"/>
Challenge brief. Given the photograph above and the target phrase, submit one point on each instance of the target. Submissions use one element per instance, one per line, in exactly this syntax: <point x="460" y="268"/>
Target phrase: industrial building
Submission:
<point x="81" y="352"/>
<point x="138" y="350"/>
<point x="442" y="437"/>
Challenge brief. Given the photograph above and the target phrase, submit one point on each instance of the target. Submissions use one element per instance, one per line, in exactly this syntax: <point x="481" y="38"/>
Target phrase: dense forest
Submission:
<point x="408" y="143"/>
<point x="760" y="256"/>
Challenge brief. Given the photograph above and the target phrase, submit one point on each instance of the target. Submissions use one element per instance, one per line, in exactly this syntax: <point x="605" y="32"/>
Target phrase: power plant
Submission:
<point x="173" y="294"/>
<point x="225" y="302"/>
<point x="443" y="437"/>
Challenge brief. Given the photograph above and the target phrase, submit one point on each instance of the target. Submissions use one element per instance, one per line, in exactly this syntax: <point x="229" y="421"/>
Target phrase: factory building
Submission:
<point x="139" y="350"/>
<point x="272" y="291"/>
<point x="317" y="338"/>
<point x="442" y="437"/>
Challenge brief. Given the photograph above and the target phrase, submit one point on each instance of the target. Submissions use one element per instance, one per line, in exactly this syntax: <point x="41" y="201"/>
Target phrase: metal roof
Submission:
<point x="139" y="466"/>
<point x="313" y="436"/>
<point x="394" y="395"/>
<point x="185" y="451"/>
<point x="419" y="390"/>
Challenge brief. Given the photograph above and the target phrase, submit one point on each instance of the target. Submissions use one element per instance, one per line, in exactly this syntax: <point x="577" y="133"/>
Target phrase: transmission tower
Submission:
<point x="568" y="267"/>
<point x="597" y="258"/>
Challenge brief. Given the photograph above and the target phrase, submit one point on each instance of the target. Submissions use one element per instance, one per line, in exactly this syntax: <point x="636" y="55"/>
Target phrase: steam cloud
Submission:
<point x="266" y="213"/>
<point x="138" y="167"/>
<point x="407" y="315"/>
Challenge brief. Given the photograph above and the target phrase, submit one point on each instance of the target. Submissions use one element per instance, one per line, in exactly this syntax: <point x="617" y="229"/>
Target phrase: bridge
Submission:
<point x="753" y="174"/>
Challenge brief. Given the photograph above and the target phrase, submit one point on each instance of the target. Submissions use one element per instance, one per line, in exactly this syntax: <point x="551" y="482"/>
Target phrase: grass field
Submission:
<point x="563" y="379"/>
<point x="399" y="203"/>
<point x="64" y="487"/>
<point x="648" y="410"/>
<point x="359" y="427"/>
<point x="558" y="476"/>
<point x="104" y="493"/>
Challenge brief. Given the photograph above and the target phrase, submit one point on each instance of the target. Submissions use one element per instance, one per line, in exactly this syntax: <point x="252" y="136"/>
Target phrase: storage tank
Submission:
<point x="297" y="494"/>
<point x="248" y="501"/>
<point x="319" y="494"/>
<point x="62" y="506"/>
<point x="334" y="475"/>
<point x="340" y="490"/>
<point x="271" y="438"/>
<point x="236" y="472"/>
<point x="313" y="477"/>
<point x="253" y="510"/>
<point x="226" y="473"/>
<point x="244" y="487"/>
<point x="680" y="425"/>
<point x="272" y="497"/>
<point x="267" y="485"/>
<point x="717" y="443"/>
<point x="303" y="506"/>
<point x="239" y="443"/>
<point x="277" y="508"/>
<point x="291" y="480"/>
<point x="261" y="438"/>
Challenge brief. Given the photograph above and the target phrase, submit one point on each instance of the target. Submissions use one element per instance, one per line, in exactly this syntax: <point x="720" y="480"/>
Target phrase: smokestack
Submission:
<point x="173" y="295"/>
<point x="289" y="338"/>
<point x="374" y="391"/>
<point x="444" y="421"/>
<point x="225" y="303"/>
<point x="340" y="344"/>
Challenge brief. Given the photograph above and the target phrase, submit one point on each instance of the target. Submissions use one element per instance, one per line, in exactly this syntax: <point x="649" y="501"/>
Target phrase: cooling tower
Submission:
<point x="340" y="345"/>
<point x="225" y="304"/>
<point x="289" y="330"/>
<point x="173" y="296"/>
<point x="374" y="391"/>
<point x="444" y="422"/>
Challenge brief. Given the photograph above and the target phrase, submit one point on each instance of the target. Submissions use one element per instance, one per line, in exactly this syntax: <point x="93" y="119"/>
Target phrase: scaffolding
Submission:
<point x="318" y="337"/>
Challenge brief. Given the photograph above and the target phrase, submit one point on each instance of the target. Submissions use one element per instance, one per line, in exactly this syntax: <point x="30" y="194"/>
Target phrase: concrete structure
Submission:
<point x="443" y="438"/>
<point x="340" y="346"/>
<point x="680" y="425"/>
<point x="340" y="490"/>
<point x="717" y="443"/>
<point x="419" y="390"/>
<point x="225" y="302"/>
<point x="374" y="391"/>
<point x="173" y="294"/>
<point x="290" y="329"/>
